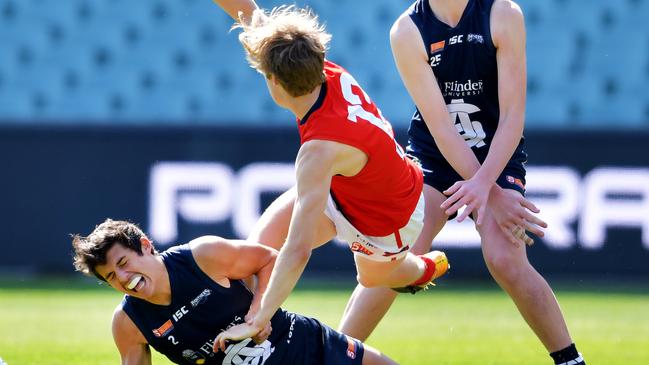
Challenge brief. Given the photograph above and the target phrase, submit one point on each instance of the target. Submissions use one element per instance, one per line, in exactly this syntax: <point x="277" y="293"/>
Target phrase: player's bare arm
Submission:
<point x="314" y="171"/>
<point x="132" y="346"/>
<point x="233" y="7"/>
<point x="223" y="259"/>
<point x="317" y="162"/>
<point x="508" y="33"/>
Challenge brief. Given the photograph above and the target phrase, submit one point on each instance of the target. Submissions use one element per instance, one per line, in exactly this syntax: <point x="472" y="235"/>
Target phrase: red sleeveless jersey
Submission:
<point x="380" y="199"/>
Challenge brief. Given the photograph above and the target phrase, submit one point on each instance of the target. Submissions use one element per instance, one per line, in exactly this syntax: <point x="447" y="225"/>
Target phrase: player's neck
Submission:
<point x="162" y="293"/>
<point x="302" y="104"/>
<point x="448" y="11"/>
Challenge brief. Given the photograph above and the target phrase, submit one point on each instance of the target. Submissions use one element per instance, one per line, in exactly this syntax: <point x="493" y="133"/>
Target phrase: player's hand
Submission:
<point x="235" y="333"/>
<point x="473" y="193"/>
<point x="514" y="215"/>
<point x="262" y="336"/>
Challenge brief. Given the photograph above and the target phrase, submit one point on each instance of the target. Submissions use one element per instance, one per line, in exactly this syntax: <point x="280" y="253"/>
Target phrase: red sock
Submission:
<point x="428" y="272"/>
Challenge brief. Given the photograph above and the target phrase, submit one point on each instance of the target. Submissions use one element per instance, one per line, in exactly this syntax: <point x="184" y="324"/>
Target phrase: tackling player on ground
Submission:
<point x="179" y="300"/>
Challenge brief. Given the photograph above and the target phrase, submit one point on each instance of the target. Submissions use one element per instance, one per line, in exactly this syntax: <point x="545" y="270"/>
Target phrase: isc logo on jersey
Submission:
<point x="437" y="47"/>
<point x="168" y="325"/>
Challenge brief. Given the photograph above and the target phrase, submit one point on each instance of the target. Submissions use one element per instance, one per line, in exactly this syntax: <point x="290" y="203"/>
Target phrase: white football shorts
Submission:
<point x="387" y="248"/>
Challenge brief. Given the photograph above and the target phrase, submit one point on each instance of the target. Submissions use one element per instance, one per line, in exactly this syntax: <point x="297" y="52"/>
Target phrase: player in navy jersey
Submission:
<point x="463" y="63"/>
<point x="179" y="300"/>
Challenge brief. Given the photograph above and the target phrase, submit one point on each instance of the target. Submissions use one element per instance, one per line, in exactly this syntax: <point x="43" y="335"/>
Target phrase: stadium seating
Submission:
<point x="174" y="61"/>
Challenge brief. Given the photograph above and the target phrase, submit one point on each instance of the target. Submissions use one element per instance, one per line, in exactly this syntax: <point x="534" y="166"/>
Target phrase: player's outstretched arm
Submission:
<point x="314" y="169"/>
<point x="233" y="7"/>
<point x="132" y="346"/>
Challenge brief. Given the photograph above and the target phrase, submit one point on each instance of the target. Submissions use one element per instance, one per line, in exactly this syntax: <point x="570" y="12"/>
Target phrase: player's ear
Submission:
<point x="146" y="245"/>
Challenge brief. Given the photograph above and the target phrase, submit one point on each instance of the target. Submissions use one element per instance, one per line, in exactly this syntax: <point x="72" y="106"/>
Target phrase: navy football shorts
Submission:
<point x="331" y="347"/>
<point x="440" y="175"/>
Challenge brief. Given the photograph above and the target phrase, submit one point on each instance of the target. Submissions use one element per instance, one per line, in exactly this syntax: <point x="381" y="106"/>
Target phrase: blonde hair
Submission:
<point x="289" y="44"/>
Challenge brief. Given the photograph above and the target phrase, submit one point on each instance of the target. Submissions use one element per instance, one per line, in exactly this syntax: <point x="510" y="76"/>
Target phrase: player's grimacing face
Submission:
<point x="128" y="272"/>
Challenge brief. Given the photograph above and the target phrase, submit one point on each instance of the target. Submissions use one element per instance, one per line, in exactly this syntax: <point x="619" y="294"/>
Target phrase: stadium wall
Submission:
<point x="179" y="183"/>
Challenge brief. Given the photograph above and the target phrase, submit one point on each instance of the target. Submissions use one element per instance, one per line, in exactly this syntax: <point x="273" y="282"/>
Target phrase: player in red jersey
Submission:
<point x="353" y="179"/>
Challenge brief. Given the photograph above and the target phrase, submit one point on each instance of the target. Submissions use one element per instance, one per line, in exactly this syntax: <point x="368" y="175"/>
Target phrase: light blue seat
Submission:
<point x="546" y="109"/>
<point x="615" y="113"/>
<point x="550" y="55"/>
<point x="131" y="61"/>
<point x="619" y="54"/>
<point x="16" y="105"/>
<point x="537" y="14"/>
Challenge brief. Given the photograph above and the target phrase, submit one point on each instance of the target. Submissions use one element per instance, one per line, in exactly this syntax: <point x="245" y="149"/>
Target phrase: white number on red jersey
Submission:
<point x="355" y="108"/>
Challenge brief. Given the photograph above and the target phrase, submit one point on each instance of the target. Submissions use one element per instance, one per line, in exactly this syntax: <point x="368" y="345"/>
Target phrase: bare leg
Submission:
<point x="367" y="306"/>
<point x="365" y="309"/>
<point x="532" y="295"/>
<point x="392" y="274"/>
<point x="272" y="227"/>
<point x="372" y="356"/>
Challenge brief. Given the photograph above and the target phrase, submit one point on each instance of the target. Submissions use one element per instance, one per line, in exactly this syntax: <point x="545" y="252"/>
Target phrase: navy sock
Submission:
<point x="568" y="356"/>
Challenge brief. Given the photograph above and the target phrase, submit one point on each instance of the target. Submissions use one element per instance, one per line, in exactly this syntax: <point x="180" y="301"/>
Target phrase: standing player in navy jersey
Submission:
<point x="354" y="181"/>
<point x="179" y="300"/>
<point x="463" y="63"/>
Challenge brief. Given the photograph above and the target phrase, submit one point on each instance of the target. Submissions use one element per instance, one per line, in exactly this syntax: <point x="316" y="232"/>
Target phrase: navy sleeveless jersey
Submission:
<point x="463" y="59"/>
<point x="200" y="309"/>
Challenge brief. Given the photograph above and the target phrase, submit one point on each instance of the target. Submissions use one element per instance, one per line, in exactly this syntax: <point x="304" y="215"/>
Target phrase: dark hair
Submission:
<point x="90" y="251"/>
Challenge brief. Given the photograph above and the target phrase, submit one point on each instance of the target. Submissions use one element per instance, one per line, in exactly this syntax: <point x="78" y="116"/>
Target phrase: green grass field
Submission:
<point x="68" y="322"/>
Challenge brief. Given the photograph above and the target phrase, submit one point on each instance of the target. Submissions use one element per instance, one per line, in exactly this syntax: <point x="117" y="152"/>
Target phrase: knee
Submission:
<point x="505" y="268"/>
